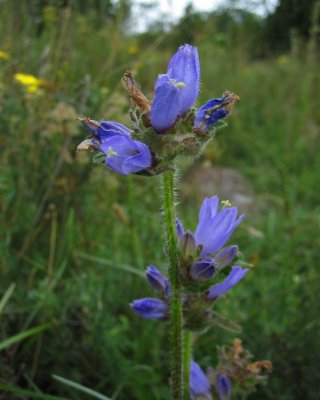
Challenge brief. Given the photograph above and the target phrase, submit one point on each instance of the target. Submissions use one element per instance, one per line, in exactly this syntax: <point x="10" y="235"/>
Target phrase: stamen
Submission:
<point x="111" y="153"/>
<point x="180" y="84"/>
<point x="226" y="203"/>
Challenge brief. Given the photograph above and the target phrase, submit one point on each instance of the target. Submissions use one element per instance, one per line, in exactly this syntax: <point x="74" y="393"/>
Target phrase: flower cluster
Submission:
<point x="163" y="128"/>
<point x="202" y="258"/>
<point x="234" y="373"/>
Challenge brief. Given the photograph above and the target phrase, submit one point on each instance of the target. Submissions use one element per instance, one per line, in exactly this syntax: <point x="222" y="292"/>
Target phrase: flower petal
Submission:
<point x="166" y="104"/>
<point x="235" y="276"/>
<point x="125" y="155"/>
<point x="214" y="229"/>
<point x="199" y="383"/>
<point x="184" y="67"/>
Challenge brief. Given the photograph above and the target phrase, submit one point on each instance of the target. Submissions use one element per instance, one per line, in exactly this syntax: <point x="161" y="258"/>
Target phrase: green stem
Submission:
<point x="175" y="285"/>
<point x="187" y="353"/>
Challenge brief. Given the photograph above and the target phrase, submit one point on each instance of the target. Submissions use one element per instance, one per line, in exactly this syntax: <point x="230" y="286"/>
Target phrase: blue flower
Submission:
<point x="203" y="270"/>
<point x="215" y="227"/>
<point x="157" y="280"/>
<point x="199" y="383"/>
<point x="123" y="154"/>
<point x="213" y="111"/>
<point x="176" y="91"/>
<point x="150" y="308"/>
<point x="184" y="67"/>
<point x="223" y="386"/>
<point x="234" y="277"/>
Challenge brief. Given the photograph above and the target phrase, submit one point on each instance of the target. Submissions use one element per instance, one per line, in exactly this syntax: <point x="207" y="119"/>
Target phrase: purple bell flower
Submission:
<point x="215" y="227"/>
<point x="157" y="280"/>
<point x="226" y="256"/>
<point x="203" y="270"/>
<point x="234" y="277"/>
<point x="150" y="308"/>
<point x="223" y="386"/>
<point x="176" y="91"/>
<point x="184" y="67"/>
<point x="199" y="383"/>
<point x="124" y="154"/>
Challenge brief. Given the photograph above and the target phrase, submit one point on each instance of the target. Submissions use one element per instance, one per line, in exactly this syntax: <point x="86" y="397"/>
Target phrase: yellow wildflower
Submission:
<point x="5" y="55"/>
<point x="283" y="59"/>
<point x="31" y="82"/>
<point x="133" y="50"/>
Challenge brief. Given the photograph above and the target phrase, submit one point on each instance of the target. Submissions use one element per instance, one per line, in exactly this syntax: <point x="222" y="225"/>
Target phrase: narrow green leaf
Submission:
<point x="28" y="393"/>
<point x="6" y="296"/>
<point x="81" y="388"/>
<point x="23" y="335"/>
<point x="104" y="261"/>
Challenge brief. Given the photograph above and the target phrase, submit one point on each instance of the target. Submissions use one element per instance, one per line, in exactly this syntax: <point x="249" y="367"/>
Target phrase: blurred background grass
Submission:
<point x="76" y="238"/>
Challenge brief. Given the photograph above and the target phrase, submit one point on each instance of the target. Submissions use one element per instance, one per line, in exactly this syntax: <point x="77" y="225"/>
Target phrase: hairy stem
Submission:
<point x="187" y="353"/>
<point x="175" y="285"/>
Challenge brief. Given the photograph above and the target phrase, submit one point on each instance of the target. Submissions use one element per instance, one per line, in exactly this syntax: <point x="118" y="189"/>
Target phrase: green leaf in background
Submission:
<point x="28" y="393"/>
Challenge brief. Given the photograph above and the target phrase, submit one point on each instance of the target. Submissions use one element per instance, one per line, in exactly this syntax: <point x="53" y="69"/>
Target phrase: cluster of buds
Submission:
<point x="203" y="260"/>
<point x="235" y="373"/>
<point x="161" y="129"/>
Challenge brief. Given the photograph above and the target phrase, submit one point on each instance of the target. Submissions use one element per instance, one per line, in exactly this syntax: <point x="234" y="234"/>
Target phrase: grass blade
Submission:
<point x="81" y="388"/>
<point x="23" y="335"/>
<point x="104" y="261"/>
<point x="28" y="393"/>
<point x="6" y="296"/>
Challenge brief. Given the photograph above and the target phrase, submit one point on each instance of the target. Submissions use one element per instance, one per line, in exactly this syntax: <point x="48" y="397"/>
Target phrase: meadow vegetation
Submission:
<point x="76" y="239"/>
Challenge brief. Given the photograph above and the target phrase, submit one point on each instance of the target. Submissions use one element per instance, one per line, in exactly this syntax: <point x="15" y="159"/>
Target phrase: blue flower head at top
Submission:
<point x="177" y="90"/>
<point x="163" y="128"/>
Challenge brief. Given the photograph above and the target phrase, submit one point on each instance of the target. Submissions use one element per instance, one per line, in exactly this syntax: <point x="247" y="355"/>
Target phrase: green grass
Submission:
<point x="76" y="238"/>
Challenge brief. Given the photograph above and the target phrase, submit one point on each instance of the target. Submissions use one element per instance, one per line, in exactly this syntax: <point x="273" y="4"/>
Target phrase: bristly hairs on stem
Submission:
<point x="176" y="317"/>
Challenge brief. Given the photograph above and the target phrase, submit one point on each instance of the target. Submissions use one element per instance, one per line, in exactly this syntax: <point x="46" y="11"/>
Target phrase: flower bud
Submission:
<point x="225" y="256"/>
<point x="223" y="386"/>
<point x="179" y="228"/>
<point x="150" y="308"/>
<point x="214" y="110"/>
<point x="188" y="246"/>
<point x="203" y="270"/>
<point x="156" y="279"/>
